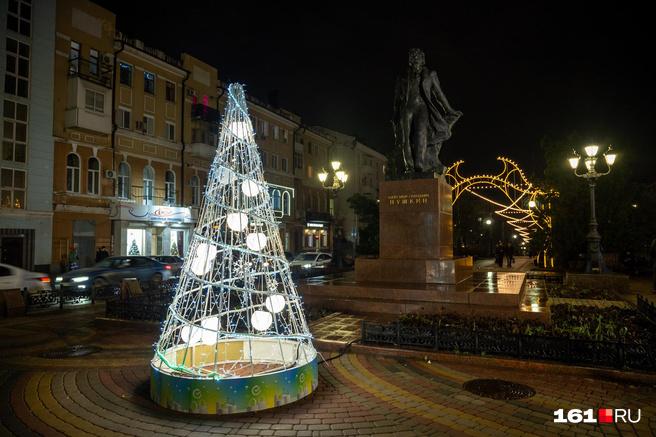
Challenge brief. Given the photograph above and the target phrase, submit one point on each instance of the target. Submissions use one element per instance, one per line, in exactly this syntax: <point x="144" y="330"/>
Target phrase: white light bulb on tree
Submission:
<point x="203" y="258"/>
<point x="211" y="326"/>
<point x="256" y="241"/>
<point x="237" y="221"/>
<point x="240" y="129"/>
<point x="250" y="188"/>
<point x="275" y="303"/>
<point x="190" y="334"/>
<point x="261" y="320"/>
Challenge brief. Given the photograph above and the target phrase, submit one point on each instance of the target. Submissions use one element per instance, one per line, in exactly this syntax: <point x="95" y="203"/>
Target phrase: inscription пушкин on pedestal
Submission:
<point x="408" y="199"/>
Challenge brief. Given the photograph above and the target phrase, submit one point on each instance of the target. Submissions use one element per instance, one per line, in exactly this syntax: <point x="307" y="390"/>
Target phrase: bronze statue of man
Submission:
<point x="423" y="117"/>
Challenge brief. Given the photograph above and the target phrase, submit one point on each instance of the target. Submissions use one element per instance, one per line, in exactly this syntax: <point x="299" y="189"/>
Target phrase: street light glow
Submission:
<point x="610" y="158"/>
<point x="323" y="176"/>
<point x="336" y="165"/>
<point x="488" y="222"/>
<point x="532" y="204"/>
<point x="591" y="150"/>
<point x="574" y="162"/>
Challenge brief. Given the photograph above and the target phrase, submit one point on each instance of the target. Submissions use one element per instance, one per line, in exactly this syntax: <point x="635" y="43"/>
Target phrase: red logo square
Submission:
<point x="605" y="415"/>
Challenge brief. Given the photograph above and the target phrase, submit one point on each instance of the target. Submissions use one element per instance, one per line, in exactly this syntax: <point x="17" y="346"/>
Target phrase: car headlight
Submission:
<point x="81" y="279"/>
<point x="307" y="266"/>
<point x="59" y="279"/>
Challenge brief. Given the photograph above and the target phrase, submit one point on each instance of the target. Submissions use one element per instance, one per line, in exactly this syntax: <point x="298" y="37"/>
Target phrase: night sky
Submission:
<point x="518" y="73"/>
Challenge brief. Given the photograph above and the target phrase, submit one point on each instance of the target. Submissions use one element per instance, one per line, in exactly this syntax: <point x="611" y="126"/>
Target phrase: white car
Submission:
<point x="311" y="260"/>
<point x="14" y="278"/>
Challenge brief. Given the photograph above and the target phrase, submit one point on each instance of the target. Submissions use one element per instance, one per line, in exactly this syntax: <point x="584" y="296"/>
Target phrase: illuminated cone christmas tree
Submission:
<point x="235" y="337"/>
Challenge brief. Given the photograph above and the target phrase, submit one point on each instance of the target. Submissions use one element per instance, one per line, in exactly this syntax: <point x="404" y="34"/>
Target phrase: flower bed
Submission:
<point x="580" y="293"/>
<point x="607" y="337"/>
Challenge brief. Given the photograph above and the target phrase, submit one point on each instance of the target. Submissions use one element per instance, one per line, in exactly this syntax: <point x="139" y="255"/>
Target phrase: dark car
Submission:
<point x="111" y="271"/>
<point x="174" y="261"/>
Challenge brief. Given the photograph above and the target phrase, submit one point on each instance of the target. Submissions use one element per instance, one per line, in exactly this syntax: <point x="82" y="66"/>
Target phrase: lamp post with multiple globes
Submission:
<point x="595" y="260"/>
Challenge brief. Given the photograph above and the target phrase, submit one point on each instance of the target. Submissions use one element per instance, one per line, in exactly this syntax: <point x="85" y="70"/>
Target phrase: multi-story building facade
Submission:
<point x="82" y="130"/>
<point x="366" y="169"/>
<point x="150" y="214"/>
<point x="27" y="44"/>
<point x="311" y="155"/>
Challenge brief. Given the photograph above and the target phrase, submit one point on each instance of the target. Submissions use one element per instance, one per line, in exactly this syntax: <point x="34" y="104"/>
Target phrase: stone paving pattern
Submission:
<point x="107" y="393"/>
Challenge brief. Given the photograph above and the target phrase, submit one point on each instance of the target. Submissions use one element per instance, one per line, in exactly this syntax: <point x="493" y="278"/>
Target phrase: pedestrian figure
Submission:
<point x="98" y="255"/>
<point x="73" y="259"/>
<point x="498" y="254"/>
<point x="103" y="253"/>
<point x="509" y="252"/>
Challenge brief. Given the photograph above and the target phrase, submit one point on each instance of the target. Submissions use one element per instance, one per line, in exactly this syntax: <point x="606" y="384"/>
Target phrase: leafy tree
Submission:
<point x="366" y="210"/>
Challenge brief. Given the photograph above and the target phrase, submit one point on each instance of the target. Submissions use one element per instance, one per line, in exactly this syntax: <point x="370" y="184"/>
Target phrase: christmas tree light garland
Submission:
<point x="235" y="338"/>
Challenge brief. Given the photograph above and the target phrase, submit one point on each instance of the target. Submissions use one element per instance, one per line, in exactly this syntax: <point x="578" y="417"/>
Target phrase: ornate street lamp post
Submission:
<point x="595" y="261"/>
<point x="338" y="178"/>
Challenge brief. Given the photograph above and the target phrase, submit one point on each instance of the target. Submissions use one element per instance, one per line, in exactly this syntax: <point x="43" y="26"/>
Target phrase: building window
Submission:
<point x="93" y="176"/>
<point x="276" y="132"/>
<point x="93" y="62"/>
<point x="285" y="135"/>
<point x="169" y="187"/>
<point x="298" y="160"/>
<point x="148" y="185"/>
<point x="286" y="203"/>
<point x="148" y="125"/>
<point x="19" y="16"/>
<point x="94" y="101"/>
<point x="124" y="118"/>
<point x="149" y="83"/>
<point x="74" y="57"/>
<point x="283" y="164"/>
<point x="274" y="162"/>
<point x="123" y="181"/>
<point x="170" y="91"/>
<point x="276" y="199"/>
<point x="195" y="190"/>
<point x="309" y="147"/>
<point x="263" y="155"/>
<point x="309" y="172"/>
<point x="72" y="173"/>
<point x="14" y="142"/>
<point x="17" y="68"/>
<point x="12" y="184"/>
<point x="170" y="131"/>
<point x="126" y="74"/>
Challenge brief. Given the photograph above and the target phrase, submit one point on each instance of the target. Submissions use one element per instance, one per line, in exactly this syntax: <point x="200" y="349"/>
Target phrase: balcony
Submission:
<point x="203" y="143"/>
<point x="206" y="113"/>
<point x="97" y="72"/>
<point x="88" y="105"/>
<point x="143" y="196"/>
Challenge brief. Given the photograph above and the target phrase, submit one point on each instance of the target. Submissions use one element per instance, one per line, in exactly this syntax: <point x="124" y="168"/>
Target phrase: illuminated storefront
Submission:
<point x="317" y="234"/>
<point x="151" y="230"/>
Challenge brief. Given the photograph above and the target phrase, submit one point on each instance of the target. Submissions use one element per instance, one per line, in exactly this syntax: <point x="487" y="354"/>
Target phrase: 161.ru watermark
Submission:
<point x="604" y="415"/>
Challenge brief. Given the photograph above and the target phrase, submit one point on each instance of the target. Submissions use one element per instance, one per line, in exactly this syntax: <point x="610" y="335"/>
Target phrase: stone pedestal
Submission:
<point x="416" y="236"/>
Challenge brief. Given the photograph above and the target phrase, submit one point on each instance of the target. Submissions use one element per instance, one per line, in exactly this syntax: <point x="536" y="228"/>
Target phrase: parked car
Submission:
<point x="174" y="261"/>
<point x="311" y="260"/>
<point x="112" y="270"/>
<point x="289" y="256"/>
<point x="12" y="277"/>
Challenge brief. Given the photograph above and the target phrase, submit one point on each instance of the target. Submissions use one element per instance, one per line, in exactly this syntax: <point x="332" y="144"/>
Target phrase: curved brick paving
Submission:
<point x="107" y="393"/>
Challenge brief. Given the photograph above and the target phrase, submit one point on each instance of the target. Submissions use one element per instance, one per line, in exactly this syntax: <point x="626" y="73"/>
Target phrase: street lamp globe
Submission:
<point x="610" y="158"/>
<point x="574" y="162"/>
<point x="591" y="150"/>
<point x="336" y="165"/>
<point x="488" y="221"/>
<point x="323" y="176"/>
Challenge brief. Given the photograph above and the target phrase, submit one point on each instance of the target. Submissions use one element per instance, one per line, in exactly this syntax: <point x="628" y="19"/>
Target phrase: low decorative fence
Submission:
<point x="464" y="340"/>
<point x="137" y="309"/>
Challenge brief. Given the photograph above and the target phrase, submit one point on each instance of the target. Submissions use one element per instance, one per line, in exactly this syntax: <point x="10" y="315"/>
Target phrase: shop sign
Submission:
<point x="151" y="213"/>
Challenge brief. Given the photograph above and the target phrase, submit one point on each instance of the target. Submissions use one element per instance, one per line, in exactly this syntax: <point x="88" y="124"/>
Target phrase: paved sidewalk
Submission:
<point x="521" y="264"/>
<point x="106" y="393"/>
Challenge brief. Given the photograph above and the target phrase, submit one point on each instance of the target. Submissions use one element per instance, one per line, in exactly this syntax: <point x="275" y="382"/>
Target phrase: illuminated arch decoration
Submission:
<point x="516" y="193"/>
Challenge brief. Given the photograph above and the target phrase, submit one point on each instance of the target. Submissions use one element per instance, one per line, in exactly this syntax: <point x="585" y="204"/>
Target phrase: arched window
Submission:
<point x="148" y="184"/>
<point x="72" y="173"/>
<point x="169" y="187"/>
<point x="93" y="176"/>
<point x="276" y="200"/>
<point x="195" y="190"/>
<point x="286" y="203"/>
<point x="123" y="183"/>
